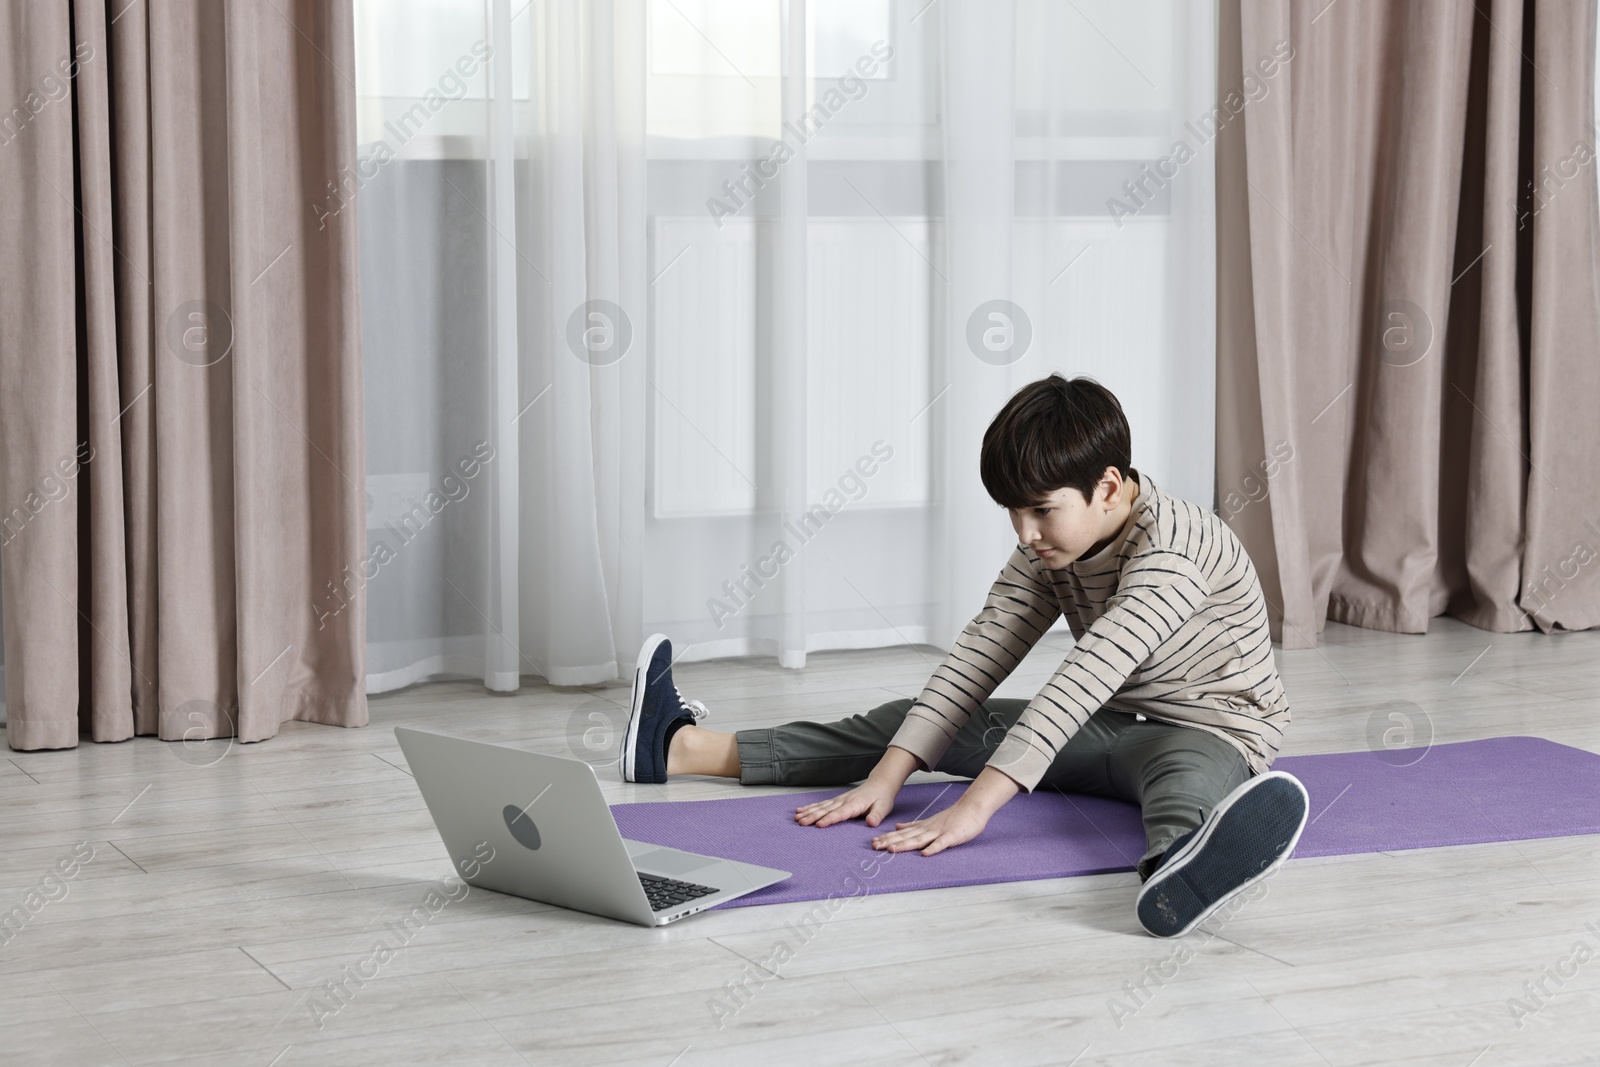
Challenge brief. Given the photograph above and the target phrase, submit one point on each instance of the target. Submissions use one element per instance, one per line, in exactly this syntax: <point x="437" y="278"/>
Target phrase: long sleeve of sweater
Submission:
<point x="1160" y="591"/>
<point x="1020" y="607"/>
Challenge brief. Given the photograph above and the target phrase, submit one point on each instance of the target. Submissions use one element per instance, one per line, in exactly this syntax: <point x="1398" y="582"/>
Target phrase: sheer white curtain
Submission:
<point x="688" y="315"/>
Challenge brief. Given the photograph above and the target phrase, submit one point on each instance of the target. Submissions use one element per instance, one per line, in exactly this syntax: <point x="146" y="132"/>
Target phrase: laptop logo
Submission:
<point x="522" y="828"/>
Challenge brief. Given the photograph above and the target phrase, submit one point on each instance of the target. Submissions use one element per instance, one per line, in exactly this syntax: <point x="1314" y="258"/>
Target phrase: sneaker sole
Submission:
<point x="630" y="735"/>
<point x="1249" y="836"/>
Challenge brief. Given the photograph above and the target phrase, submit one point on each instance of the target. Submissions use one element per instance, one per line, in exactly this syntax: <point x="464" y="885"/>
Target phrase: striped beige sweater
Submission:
<point x="1169" y="621"/>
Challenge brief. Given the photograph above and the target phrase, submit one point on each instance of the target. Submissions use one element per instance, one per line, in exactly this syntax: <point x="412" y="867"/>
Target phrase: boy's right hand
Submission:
<point x="872" y="798"/>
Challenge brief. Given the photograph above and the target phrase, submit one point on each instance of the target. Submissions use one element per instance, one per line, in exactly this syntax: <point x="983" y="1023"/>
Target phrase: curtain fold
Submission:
<point x="581" y="136"/>
<point x="980" y="152"/>
<point x="1408" y="332"/>
<point x="177" y="317"/>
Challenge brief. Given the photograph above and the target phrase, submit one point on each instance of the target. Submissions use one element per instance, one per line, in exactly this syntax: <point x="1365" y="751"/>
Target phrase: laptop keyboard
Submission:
<point x="665" y="894"/>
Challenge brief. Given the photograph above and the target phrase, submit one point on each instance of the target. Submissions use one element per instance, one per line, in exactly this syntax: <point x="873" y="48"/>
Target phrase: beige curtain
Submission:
<point x="1408" y="322"/>
<point x="180" y="375"/>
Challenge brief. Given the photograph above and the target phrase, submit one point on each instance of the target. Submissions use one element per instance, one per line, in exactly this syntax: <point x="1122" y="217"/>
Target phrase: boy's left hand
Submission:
<point x="957" y="824"/>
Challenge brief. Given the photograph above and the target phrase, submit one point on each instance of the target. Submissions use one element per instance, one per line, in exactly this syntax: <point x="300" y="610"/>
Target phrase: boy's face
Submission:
<point x="1064" y="527"/>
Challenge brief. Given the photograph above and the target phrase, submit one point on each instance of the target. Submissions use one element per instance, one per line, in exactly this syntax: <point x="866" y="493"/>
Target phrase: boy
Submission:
<point x="1169" y="697"/>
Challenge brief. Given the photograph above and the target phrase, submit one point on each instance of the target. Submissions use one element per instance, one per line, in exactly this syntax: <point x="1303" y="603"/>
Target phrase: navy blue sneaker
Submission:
<point x="657" y="708"/>
<point x="1244" y="839"/>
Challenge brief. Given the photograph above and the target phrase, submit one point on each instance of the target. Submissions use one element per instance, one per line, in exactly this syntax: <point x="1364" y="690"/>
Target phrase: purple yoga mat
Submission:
<point x="1501" y="789"/>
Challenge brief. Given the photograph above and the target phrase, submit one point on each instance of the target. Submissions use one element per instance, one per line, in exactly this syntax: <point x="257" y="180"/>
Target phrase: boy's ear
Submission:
<point x="1110" y="484"/>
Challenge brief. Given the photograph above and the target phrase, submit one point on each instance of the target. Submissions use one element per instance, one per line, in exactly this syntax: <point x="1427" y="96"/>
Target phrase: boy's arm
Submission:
<point x="1158" y="592"/>
<point x="1020" y="607"/>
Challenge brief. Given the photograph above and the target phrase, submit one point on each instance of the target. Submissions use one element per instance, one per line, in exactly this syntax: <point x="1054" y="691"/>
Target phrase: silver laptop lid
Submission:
<point x="526" y="824"/>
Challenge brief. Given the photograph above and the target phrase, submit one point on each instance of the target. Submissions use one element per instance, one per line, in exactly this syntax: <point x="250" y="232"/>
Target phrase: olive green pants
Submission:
<point x="1175" y="774"/>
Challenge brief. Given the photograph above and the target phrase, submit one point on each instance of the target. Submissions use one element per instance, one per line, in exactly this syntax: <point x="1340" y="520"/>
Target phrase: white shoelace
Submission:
<point x="697" y="710"/>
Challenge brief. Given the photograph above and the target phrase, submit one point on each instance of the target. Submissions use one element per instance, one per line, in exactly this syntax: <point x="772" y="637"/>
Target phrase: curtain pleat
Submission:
<point x="39" y="361"/>
<point x="1563" y="534"/>
<point x="186" y="320"/>
<point x="582" y="488"/>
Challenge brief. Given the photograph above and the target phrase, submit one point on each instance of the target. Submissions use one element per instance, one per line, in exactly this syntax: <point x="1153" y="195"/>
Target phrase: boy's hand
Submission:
<point x="872" y="798"/>
<point x="957" y="824"/>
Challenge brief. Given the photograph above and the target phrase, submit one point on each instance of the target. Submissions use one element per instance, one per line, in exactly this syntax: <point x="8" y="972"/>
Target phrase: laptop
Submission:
<point x="537" y="826"/>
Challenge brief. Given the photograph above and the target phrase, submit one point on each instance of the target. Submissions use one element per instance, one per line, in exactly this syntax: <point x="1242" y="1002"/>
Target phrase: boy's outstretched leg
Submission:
<point x="693" y="750"/>
<point x="661" y="737"/>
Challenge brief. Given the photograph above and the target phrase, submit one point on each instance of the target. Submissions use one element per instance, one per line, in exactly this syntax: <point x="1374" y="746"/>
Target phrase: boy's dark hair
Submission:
<point x="1054" y="433"/>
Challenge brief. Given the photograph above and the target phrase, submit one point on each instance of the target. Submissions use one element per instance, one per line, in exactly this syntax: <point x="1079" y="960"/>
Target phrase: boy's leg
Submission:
<point x="846" y="751"/>
<point x="1082" y="765"/>
<point x="1176" y="774"/>
<point x="819" y="753"/>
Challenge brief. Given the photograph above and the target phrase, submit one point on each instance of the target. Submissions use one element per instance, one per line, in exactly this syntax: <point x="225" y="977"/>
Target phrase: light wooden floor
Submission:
<point x="222" y="894"/>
